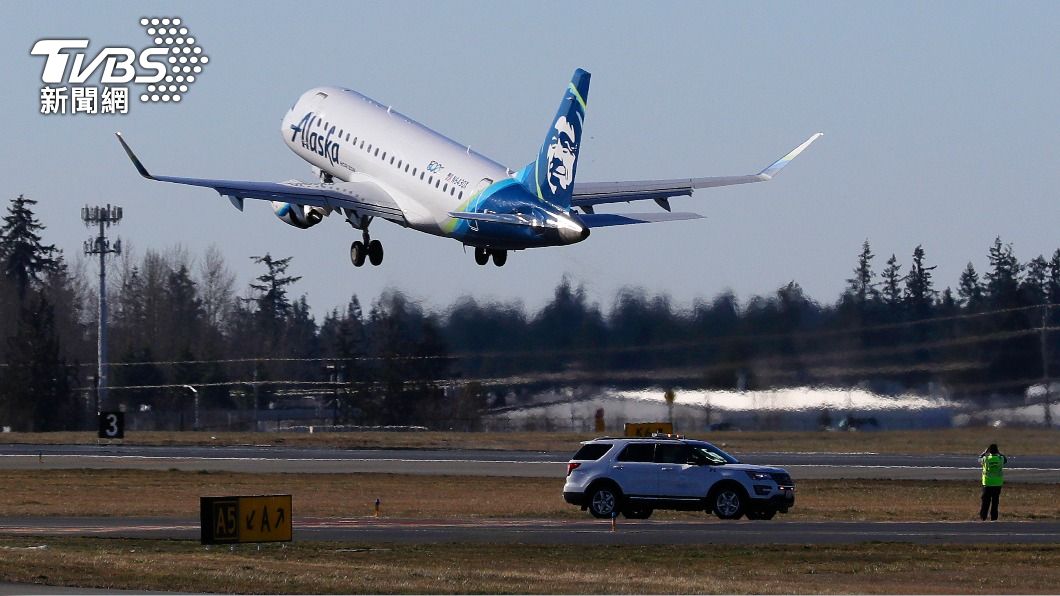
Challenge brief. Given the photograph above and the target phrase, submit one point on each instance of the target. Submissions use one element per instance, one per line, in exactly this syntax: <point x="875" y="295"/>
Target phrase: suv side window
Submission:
<point x="643" y="452"/>
<point x="593" y="451"/>
<point x="671" y="453"/>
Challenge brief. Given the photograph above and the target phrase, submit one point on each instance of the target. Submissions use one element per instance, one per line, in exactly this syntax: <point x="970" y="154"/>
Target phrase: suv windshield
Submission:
<point x="711" y="454"/>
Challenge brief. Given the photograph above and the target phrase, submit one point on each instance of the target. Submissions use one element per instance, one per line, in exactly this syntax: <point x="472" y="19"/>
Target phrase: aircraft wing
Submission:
<point x="364" y="197"/>
<point x="587" y="194"/>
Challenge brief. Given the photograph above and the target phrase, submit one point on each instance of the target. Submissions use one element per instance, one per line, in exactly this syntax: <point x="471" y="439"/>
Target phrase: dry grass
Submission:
<point x="454" y="568"/>
<point x="1019" y="441"/>
<point x="151" y="493"/>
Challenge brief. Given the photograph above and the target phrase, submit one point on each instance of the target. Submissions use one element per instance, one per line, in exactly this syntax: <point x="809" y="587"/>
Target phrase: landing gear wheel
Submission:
<point x="637" y="512"/>
<point x="500" y="257"/>
<point x="761" y="514"/>
<point x="728" y="503"/>
<point x="375" y="252"/>
<point x="482" y="256"/>
<point x="358" y="252"/>
<point x="603" y="502"/>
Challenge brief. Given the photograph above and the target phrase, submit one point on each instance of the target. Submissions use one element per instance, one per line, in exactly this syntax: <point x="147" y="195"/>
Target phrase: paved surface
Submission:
<point x="576" y="532"/>
<point x="268" y="458"/>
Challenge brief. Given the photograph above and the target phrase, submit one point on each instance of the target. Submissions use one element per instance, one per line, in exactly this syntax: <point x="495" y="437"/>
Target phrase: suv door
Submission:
<point x="635" y="470"/>
<point x="683" y="473"/>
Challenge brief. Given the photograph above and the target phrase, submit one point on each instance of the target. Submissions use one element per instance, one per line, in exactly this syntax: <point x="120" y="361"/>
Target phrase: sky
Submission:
<point x="940" y="124"/>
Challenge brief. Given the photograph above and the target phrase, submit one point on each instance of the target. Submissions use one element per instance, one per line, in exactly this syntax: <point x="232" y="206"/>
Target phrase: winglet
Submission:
<point x="779" y="164"/>
<point x="136" y="162"/>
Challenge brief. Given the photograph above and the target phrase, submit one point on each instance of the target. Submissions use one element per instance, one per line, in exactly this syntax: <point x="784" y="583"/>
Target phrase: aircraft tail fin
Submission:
<point x="551" y="176"/>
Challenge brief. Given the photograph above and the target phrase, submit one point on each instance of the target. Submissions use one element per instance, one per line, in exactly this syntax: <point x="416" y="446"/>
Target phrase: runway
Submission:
<point x="572" y="532"/>
<point x="280" y="459"/>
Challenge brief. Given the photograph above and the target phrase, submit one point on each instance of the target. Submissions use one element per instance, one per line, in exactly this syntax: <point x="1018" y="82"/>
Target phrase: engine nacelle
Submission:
<point x="299" y="216"/>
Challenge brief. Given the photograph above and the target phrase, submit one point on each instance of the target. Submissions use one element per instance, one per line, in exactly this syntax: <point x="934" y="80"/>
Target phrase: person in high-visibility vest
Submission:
<point x="993" y="463"/>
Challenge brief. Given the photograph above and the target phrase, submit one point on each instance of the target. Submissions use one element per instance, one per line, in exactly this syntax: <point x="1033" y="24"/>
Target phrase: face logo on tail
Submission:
<point x="562" y="151"/>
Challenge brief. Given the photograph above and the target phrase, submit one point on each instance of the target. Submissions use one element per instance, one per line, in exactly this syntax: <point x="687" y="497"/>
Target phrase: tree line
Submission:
<point x="180" y="320"/>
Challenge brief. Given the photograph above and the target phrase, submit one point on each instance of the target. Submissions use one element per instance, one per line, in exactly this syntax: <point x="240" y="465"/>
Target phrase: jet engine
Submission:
<point x="299" y="216"/>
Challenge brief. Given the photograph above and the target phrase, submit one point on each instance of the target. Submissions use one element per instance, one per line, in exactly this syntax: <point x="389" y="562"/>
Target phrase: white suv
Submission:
<point x="637" y="476"/>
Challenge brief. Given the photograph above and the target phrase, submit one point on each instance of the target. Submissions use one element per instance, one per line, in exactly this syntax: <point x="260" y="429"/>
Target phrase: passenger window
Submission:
<point x="384" y="156"/>
<point x="638" y="452"/>
<point x="452" y="191"/>
<point x="445" y="187"/>
<point x="406" y="167"/>
<point x="671" y="453"/>
<point x="391" y="160"/>
<point x="592" y="451"/>
<point x="377" y="151"/>
<point x="362" y="144"/>
<point x="461" y="196"/>
<point x="430" y="179"/>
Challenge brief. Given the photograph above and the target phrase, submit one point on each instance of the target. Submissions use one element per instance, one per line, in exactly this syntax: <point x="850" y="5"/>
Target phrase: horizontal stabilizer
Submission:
<point x="601" y="220"/>
<point x="587" y="194"/>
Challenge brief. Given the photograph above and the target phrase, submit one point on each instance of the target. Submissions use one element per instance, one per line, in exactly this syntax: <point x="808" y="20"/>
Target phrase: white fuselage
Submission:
<point x="349" y="137"/>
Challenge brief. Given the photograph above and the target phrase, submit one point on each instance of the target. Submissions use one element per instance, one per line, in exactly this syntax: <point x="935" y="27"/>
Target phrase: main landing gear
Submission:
<point x="369" y="249"/>
<point x="482" y="256"/>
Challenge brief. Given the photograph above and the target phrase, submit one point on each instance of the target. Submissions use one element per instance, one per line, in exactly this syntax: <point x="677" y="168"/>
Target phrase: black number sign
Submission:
<point x="112" y="425"/>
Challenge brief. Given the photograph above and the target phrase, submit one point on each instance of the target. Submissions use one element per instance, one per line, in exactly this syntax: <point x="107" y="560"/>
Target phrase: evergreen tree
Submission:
<point x="969" y="289"/>
<point x="271" y="302"/>
<point x="1052" y="284"/>
<point x="24" y="258"/>
<point x="892" y="279"/>
<point x="860" y="287"/>
<point x="1003" y="279"/>
<point x="919" y="293"/>
<point x="1036" y="281"/>
<point x="36" y="381"/>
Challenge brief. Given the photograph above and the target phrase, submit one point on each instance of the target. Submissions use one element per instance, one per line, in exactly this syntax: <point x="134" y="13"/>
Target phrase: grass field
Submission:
<point x="456" y="568"/>
<point x="323" y="567"/>
<point x="173" y="493"/>
<point x="972" y="441"/>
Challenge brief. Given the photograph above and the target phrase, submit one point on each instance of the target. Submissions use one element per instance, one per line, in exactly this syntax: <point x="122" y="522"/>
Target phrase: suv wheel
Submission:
<point x="637" y="512"/>
<point x="728" y="503"/>
<point x="604" y="501"/>
<point x="761" y="514"/>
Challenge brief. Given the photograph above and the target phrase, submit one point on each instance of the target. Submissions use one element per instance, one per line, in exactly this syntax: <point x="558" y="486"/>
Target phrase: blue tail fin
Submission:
<point x="551" y="176"/>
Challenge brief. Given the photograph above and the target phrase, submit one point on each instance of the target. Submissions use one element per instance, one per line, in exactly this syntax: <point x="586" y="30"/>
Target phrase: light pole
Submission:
<point x="104" y="217"/>
<point x="195" y="395"/>
<point x="1046" y="379"/>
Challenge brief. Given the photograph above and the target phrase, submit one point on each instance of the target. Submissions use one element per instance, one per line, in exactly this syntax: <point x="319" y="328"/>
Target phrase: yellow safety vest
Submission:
<point x="993" y="469"/>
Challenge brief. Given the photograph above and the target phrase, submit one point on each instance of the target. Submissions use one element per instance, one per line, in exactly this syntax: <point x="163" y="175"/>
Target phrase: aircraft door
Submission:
<point x="481" y="186"/>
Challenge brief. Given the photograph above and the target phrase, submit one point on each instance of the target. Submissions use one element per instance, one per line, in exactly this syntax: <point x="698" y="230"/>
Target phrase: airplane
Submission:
<point x="373" y="162"/>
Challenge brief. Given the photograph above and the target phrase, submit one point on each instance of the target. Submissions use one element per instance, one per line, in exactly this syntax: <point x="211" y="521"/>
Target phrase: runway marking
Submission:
<point x="292" y="459"/>
<point x="471" y="461"/>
